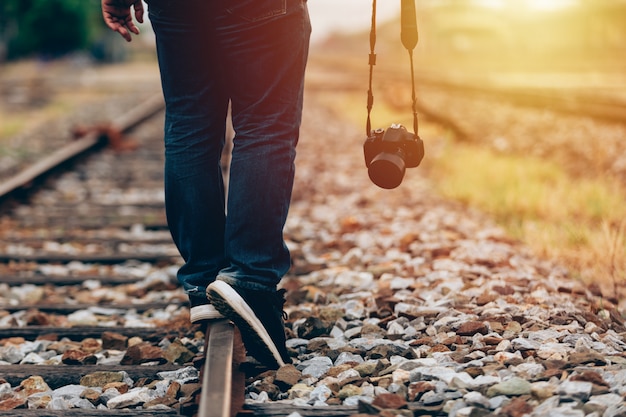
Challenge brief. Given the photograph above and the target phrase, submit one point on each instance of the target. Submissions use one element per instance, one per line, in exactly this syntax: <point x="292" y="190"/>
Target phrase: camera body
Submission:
<point x="389" y="152"/>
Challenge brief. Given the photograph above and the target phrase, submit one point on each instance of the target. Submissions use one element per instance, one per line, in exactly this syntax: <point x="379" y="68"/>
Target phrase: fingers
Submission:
<point x="139" y="11"/>
<point x="119" y="18"/>
<point x="124" y="32"/>
<point x="131" y="26"/>
<point x="116" y="26"/>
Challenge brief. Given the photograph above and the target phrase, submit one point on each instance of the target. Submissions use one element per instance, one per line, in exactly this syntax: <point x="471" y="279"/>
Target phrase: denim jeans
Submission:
<point x="251" y="53"/>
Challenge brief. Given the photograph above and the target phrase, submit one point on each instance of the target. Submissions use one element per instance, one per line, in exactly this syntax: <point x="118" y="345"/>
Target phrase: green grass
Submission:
<point x="578" y="221"/>
<point x="525" y="188"/>
<point x="11" y="126"/>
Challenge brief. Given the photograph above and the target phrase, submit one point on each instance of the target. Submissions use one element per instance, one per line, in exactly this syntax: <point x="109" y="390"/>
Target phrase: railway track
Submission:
<point x="90" y="219"/>
<point x="579" y="128"/>
<point x="88" y="269"/>
<point x="392" y="83"/>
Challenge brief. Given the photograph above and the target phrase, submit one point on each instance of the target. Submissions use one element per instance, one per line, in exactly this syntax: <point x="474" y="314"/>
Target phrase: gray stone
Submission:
<point x="498" y="401"/>
<point x="524" y="344"/>
<point x="346" y="357"/>
<point x="134" y="397"/>
<point x="431" y="398"/>
<point x="11" y="354"/>
<point x="476" y="398"/>
<point x="296" y="343"/>
<point x="510" y="387"/>
<point x="315" y="367"/>
<point x="580" y="390"/>
<point x="431" y="373"/>
<point x="320" y="394"/>
<point x="183" y="375"/>
<point x="601" y="403"/>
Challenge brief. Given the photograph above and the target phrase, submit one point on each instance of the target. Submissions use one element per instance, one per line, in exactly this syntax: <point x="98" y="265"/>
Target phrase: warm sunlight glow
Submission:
<point x="532" y="5"/>
<point x="549" y="4"/>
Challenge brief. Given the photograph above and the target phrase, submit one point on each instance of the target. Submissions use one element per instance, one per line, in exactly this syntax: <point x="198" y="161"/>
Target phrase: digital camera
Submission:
<point x="389" y="152"/>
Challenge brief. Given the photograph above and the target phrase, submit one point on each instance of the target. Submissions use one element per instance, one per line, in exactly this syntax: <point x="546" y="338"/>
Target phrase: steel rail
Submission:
<point x="122" y="124"/>
<point x="223" y="382"/>
<point x="215" y="400"/>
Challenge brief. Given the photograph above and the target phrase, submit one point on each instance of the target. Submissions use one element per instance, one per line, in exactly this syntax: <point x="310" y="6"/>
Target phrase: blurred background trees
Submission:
<point x="50" y="28"/>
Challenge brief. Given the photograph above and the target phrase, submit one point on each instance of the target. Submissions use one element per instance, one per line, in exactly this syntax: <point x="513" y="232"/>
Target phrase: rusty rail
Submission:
<point x="124" y="123"/>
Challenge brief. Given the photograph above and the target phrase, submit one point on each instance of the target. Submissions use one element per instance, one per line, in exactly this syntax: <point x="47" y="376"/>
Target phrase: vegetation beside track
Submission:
<point x="577" y="221"/>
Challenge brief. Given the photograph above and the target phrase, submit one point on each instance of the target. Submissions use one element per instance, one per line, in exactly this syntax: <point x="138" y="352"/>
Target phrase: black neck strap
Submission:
<point x="409" y="37"/>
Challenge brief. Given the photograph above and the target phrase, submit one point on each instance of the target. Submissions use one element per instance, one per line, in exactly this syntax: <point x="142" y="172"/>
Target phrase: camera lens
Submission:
<point x="387" y="170"/>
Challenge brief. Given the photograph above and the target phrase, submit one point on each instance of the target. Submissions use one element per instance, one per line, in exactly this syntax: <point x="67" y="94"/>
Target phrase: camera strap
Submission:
<point x="409" y="37"/>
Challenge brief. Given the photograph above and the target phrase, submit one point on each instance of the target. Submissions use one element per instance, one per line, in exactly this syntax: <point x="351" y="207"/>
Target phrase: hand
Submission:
<point x="118" y="17"/>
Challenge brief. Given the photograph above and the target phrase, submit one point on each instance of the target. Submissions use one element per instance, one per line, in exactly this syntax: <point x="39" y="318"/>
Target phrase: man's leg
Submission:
<point x="196" y="107"/>
<point x="266" y="54"/>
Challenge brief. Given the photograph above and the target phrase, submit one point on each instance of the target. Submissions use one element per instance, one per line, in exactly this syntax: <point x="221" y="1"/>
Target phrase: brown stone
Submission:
<point x="382" y="381"/>
<point x="37" y="318"/>
<point x="168" y="401"/>
<point x="416" y="389"/>
<point x="176" y="352"/>
<point x="454" y="340"/>
<point x="512" y="329"/>
<point x="579" y="358"/>
<point x="114" y="341"/>
<point x="370" y="329"/>
<point x="188" y="390"/>
<point x="504" y="290"/>
<point x="518" y="407"/>
<point x="496" y="326"/>
<point x="91" y="395"/>
<point x="423" y="341"/>
<point x="121" y="387"/>
<point x="272" y="390"/>
<point x="439" y="348"/>
<point x="90" y="345"/>
<point x="13" y="404"/>
<point x="173" y="389"/>
<point x="78" y="357"/>
<point x="32" y="385"/>
<point x="366" y="369"/>
<point x="287" y="376"/>
<point x="101" y="378"/>
<point x="51" y="337"/>
<point x="591" y="376"/>
<point x="485" y="298"/>
<point x="15" y="341"/>
<point x="470" y="328"/>
<point x="336" y="370"/>
<point x="492" y="340"/>
<point x="143" y="352"/>
<point x="474" y="371"/>
<point x="330" y="314"/>
<point x="389" y="401"/>
<point x="549" y="373"/>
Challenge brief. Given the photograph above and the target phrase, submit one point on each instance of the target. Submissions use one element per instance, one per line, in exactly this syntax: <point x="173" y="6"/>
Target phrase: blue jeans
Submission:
<point x="251" y="53"/>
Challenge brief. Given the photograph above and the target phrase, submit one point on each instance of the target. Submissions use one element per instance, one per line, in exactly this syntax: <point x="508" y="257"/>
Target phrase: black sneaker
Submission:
<point x="201" y="310"/>
<point x="259" y="317"/>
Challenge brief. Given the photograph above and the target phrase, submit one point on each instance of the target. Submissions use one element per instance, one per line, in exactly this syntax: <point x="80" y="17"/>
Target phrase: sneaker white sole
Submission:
<point x="204" y="312"/>
<point x="230" y="299"/>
